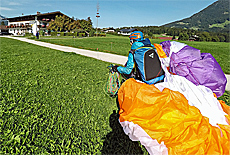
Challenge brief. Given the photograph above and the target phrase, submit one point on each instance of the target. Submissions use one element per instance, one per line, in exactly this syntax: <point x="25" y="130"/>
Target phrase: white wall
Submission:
<point x="35" y="28"/>
<point x="17" y="30"/>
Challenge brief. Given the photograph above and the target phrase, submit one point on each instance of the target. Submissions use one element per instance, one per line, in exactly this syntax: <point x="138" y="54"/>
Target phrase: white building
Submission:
<point x="110" y="29"/>
<point x="31" y="23"/>
<point x="125" y="31"/>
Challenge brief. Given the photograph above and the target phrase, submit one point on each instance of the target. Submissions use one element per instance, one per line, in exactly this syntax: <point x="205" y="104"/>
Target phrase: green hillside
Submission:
<point x="214" y="18"/>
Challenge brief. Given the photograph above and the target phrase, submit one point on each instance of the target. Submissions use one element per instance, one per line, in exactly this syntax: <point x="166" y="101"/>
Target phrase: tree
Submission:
<point x="215" y="39"/>
<point x="69" y="24"/>
<point x="183" y="36"/>
<point x="202" y="38"/>
<point x="62" y="23"/>
<point x="57" y="24"/>
<point x="207" y="36"/>
<point x="227" y="38"/>
<point x="150" y="34"/>
<point x="86" y="25"/>
<point x="222" y="38"/>
<point x="186" y="36"/>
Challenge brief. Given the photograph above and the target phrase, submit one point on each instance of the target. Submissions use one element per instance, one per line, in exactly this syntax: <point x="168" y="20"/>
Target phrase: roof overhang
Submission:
<point x="51" y="15"/>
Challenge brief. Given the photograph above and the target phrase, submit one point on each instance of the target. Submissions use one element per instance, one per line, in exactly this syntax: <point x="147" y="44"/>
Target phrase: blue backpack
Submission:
<point x="147" y="64"/>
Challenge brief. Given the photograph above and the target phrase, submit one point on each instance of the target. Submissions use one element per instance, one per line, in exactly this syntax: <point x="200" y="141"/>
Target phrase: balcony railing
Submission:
<point x="19" y="26"/>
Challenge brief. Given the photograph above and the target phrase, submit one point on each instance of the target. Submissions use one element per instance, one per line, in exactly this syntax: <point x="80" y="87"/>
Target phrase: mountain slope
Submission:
<point x="1" y="19"/>
<point x="214" y="18"/>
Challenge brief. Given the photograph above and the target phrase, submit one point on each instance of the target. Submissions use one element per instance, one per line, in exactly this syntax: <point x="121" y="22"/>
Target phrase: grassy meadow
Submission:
<point x="54" y="102"/>
<point x="120" y="45"/>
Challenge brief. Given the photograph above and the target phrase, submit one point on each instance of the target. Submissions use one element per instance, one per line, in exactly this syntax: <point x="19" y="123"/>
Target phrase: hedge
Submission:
<point x="67" y="34"/>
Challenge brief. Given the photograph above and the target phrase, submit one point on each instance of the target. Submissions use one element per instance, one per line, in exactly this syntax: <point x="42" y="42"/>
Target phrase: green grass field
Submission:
<point x="121" y="46"/>
<point x="53" y="102"/>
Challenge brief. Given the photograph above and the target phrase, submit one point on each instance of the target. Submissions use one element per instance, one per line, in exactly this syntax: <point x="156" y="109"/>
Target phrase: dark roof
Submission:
<point x="110" y="28"/>
<point x="126" y="30"/>
<point x="50" y="15"/>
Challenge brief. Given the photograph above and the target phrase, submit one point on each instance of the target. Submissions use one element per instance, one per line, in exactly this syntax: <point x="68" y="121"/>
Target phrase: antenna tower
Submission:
<point x="97" y="16"/>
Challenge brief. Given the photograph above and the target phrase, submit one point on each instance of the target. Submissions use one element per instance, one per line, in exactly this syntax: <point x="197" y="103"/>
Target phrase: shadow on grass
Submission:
<point x="117" y="142"/>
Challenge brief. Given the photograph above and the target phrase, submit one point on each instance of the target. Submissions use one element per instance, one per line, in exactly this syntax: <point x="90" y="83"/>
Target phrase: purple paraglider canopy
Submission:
<point x="199" y="68"/>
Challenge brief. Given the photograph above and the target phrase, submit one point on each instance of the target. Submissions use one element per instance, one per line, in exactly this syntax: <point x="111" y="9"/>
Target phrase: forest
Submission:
<point x="183" y="34"/>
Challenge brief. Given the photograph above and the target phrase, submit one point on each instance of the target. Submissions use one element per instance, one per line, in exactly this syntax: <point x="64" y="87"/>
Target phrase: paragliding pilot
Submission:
<point x="143" y="62"/>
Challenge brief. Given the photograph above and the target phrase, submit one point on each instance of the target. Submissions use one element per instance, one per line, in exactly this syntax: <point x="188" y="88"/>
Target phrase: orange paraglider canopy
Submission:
<point x="167" y="117"/>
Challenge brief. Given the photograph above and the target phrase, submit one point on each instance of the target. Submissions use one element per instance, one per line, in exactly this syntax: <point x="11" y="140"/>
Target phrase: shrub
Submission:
<point x="81" y="34"/>
<point x="91" y="33"/>
<point x="61" y="33"/>
<point x="102" y="35"/>
<point x="41" y="33"/>
<point x="27" y="34"/>
<point x="53" y="33"/>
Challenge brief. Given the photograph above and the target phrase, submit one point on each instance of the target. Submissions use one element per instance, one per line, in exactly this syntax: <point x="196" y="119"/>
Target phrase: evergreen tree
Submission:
<point x="2" y="23"/>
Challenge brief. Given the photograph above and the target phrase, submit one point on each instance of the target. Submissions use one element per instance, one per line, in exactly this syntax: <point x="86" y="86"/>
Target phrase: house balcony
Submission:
<point x="28" y="26"/>
<point x="19" y="26"/>
<point x="46" y="19"/>
<point x="11" y="26"/>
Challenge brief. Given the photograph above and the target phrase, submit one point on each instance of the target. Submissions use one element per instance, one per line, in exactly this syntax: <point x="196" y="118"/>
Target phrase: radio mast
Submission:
<point x="97" y="16"/>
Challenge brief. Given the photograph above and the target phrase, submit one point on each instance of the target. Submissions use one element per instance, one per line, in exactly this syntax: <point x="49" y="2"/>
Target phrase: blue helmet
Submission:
<point x="136" y="36"/>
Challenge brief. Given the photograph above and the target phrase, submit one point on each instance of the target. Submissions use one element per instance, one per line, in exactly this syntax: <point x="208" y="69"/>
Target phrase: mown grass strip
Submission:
<point x="53" y="102"/>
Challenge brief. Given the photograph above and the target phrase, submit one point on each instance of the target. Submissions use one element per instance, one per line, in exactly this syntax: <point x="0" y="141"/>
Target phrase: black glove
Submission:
<point x="114" y="68"/>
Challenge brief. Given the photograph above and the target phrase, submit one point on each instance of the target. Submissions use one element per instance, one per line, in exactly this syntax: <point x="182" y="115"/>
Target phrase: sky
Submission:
<point x="113" y="13"/>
